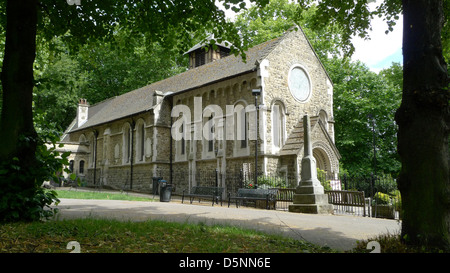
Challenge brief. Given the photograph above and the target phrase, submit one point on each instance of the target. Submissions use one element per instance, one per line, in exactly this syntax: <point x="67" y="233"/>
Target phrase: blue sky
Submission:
<point x="382" y="49"/>
<point x="386" y="62"/>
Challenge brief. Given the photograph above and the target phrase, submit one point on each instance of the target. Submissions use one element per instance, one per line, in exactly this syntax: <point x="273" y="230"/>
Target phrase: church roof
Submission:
<point x="295" y="141"/>
<point x="140" y="100"/>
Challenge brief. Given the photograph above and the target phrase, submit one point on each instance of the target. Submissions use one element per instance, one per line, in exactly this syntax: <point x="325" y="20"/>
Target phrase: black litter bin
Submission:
<point x="165" y="191"/>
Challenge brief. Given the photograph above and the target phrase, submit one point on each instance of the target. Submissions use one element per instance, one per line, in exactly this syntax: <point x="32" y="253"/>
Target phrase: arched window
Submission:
<point x="208" y="135"/>
<point x="180" y="145"/>
<point x="211" y="130"/>
<point x="183" y="142"/>
<point x="71" y="165"/>
<point x="241" y="127"/>
<point x="126" y="147"/>
<point x="140" y="140"/>
<point x="81" y="167"/>
<point x="278" y="125"/>
<point x="324" y="118"/>
<point x="92" y="150"/>
<point x="82" y="139"/>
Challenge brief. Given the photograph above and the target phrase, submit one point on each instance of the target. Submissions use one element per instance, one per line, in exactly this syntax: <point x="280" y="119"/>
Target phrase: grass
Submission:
<point x="392" y="243"/>
<point x="113" y="236"/>
<point x="81" y="194"/>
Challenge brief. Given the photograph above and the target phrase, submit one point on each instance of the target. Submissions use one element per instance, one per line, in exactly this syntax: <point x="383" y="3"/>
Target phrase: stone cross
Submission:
<point x="309" y="167"/>
<point x="310" y="196"/>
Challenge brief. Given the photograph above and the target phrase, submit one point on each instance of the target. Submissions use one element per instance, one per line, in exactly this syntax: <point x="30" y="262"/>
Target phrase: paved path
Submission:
<point x="336" y="231"/>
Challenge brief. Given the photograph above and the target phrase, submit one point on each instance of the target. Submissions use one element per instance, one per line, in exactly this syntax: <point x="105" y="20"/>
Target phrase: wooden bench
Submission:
<point x="285" y="196"/>
<point x="268" y="195"/>
<point x="201" y="192"/>
<point x="347" y="198"/>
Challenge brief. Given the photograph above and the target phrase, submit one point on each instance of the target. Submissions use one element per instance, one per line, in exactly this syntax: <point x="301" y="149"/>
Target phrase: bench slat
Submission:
<point x="204" y="192"/>
<point x="254" y="194"/>
<point x="347" y="198"/>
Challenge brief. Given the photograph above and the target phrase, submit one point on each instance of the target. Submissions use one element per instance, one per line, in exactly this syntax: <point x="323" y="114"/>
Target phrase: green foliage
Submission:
<point x="358" y="92"/>
<point x="322" y="176"/>
<point x="382" y="199"/>
<point x="393" y="198"/>
<point x="364" y="107"/>
<point x="352" y="17"/>
<point x="97" y="71"/>
<point x="22" y="197"/>
<point x="258" y="25"/>
<point x="396" y="200"/>
<point x="266" y="181"/>
<point x="394" y="243"/>
<point x="59" y="79"/>
<point x="127" y="63"/>
<point x="271" y="182"/>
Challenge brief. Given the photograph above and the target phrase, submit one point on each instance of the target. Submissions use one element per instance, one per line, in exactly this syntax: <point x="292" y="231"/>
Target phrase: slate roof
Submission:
<point x="140" y="100"/>
<point x="294" y="142"/>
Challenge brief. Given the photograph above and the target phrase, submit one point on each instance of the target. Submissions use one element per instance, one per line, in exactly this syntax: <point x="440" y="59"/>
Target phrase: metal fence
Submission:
<point x="382" y="198"/>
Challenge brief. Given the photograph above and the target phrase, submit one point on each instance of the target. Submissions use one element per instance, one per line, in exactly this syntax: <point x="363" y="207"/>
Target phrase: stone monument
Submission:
<point x="310" y="196"/>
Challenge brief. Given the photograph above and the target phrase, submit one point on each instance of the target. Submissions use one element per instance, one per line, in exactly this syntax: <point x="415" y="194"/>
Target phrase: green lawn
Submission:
<point x="83" y="194"/>
<point x="112" y="236"/>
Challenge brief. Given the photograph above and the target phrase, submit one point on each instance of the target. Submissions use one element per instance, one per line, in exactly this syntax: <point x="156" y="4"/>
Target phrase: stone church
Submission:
<point x="126" y="141"/>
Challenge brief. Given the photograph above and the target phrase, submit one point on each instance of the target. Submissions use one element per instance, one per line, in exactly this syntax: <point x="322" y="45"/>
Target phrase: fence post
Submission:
<point x="241" y="178"/>
<point x="345" y="181"/>
<point x="372" y="183"/>
<point x="217" y="177"/>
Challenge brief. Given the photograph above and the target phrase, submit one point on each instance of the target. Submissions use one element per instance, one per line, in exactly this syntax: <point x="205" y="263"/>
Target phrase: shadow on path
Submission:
<point x="337" y="232"/>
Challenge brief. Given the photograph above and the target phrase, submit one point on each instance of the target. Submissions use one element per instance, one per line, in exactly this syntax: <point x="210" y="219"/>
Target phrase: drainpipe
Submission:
<point x="171" y="141"/>
<point x="131" y="153"/>
<point x="95" y="155"/>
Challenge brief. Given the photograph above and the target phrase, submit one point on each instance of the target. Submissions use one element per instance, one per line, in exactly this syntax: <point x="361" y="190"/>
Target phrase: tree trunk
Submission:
<point x="423" y="120"/>
<point x="17" y="134"/>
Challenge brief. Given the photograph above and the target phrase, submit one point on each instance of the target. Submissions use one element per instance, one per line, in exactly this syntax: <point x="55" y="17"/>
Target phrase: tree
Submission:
<point x="75" y="24"/>
<point x="97" y="71"/>
<point x="364" y="109"/>
<point x="126" y="63"/>
<point x="257" y="25"/>
<point x="58" y="81"/>
<point x="424" y="123"/>
<point x="358" y="92"/>
<point x="423" y="117"/>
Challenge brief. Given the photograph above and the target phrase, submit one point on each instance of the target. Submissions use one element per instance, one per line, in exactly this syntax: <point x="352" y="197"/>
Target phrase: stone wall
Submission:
<point x="295" y="50"/>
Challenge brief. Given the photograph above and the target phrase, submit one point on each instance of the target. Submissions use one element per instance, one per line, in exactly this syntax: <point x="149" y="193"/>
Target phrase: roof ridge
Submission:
<point x="275" y="41"/>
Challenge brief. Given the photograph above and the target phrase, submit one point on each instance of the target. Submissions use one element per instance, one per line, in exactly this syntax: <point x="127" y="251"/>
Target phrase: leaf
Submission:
<point x="73" y="176"/>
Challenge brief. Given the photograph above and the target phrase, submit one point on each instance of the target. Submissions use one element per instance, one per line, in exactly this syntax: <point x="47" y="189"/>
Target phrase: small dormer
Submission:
<point x="201" y="54"/>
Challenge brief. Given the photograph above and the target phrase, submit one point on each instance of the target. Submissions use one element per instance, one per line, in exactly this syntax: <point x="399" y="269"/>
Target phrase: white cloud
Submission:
<point x="381" y="47"/>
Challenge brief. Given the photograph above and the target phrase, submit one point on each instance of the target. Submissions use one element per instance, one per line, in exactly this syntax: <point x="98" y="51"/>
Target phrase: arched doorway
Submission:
<point x="322" y="160"/>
